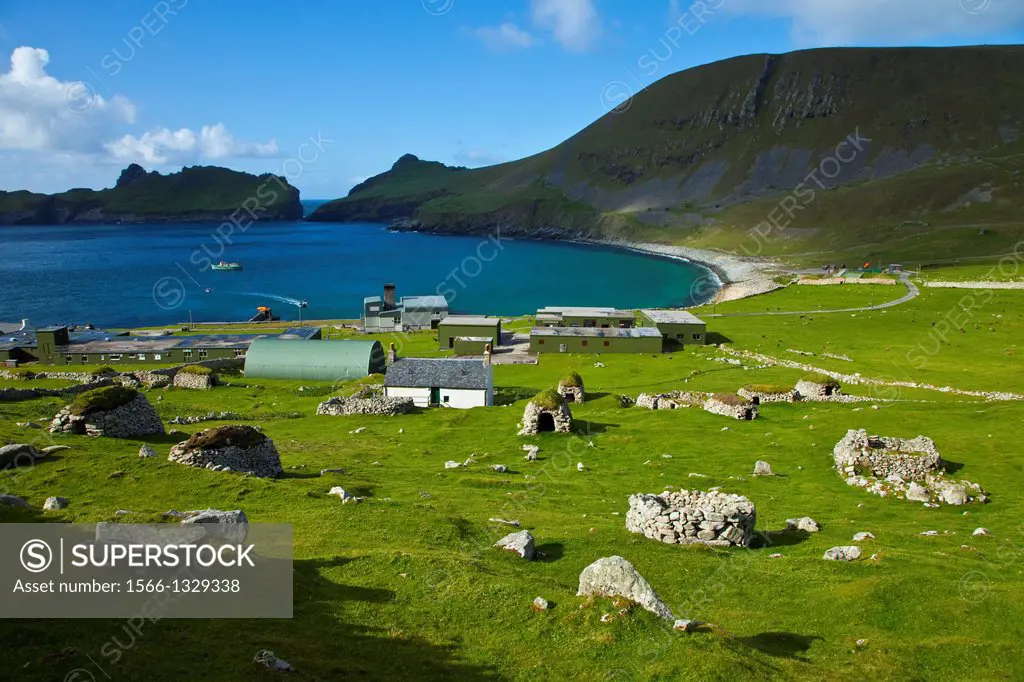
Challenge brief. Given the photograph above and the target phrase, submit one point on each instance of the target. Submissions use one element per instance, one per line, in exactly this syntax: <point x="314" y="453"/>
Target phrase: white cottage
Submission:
<point x="444" y="382"/>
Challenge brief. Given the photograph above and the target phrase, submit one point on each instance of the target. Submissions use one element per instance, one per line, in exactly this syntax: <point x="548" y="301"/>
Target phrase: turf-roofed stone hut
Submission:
<point x="731" y="405"/>
<point x="112" y="411"/>
<point x="768" y="393"/>
<point x="444" y="382"/>
<point x="547" y="411"/>
<point x="196" y="377"/>
<point x="595" y="340"/>
<point x="475" y="326"/>
<point x="230" y="448"/>
<point x="818" y="387"/>
<point x="307" y="360"/>
<point x="677" y="327"/>
<point x="571" y="388"/>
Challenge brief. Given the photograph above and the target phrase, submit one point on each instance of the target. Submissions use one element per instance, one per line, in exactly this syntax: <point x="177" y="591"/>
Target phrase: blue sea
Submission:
<point x="135" y="275"/>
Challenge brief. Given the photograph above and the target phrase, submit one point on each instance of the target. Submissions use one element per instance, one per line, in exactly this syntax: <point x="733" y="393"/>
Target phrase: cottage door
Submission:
<point x="435" y="396"/>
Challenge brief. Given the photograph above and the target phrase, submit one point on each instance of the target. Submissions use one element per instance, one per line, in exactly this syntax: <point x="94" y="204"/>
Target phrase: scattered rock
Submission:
<point x="324" y="472"/>
<point x="451" y="464"/>
<point x="342" y="494"/>
<point x="860" y="537"/>
<point x="684" y="625"/>
<point x="500" y="468"/>
<point x="13" y="501"/>
<point x="804" y="523"/>
<point x="56" y="503"/>
<point x="232" y="526"/>
<point x="19" y="454"/>
<point x="514" y="524"/>
<point x="762" y="468"/>
<point x="541" y="604"/>
<point x="579" y="466"/>
<point x="929" y="532"/>
<point x="918" y="493"/>
<point x="981" y="531"/>
<point x="847" y="553"/>
<point x="268" y="660"/>
<point x="521" y="543"/>
<point x="776" y="555"/>
<point x="615" y="577"/>
<point x="146" y="451"/>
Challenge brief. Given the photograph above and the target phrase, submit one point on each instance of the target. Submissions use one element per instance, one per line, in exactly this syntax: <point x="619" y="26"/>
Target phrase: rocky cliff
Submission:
<point x="195" y="194"/>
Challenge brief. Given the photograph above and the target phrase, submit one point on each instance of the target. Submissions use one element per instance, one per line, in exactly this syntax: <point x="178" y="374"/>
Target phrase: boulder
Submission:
<point x="804" y="523"/>
<point x="268" y="660"/>
<point x="238" y="448"/>
<point x="500" y="468"/>
<point x="981" y="531"/>
<point x="918" y="493"/>
<point x="615" y="577"/>
<point x="541" y="604"/>
<point x="762" y="468"/>
<point x="860" y="537"/>
<point x="521" y="543"/>
<point x="847" y="553"/>
<point x="452" y="464"/>
<point x="56" y="503"/>
<point x="342" y="494"/>
<point x="953" y="493"/>
<point x="232" y="526"/>
<point x="18" y="455"/>
<point x="146" y="451"/>
<point x="12" y="501"/>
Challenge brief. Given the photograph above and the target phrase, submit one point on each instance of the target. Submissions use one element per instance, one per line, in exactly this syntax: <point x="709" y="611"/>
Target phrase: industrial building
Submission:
<point x="470" y="327"/>
<point x="595" y="340"/>
<point x="59" y="345"/>
<point x="472" y="345"/>
<point x="384" y="314"/>
<point x="569" y="316"/>
<point x="678" y="327"/>
<point x="314" y="360"/>
<point x="445" y="382"/>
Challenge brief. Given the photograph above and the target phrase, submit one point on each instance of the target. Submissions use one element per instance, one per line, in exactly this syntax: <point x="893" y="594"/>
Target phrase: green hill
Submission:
<point x="196" y="193"/>
<point x="928" y="165"/>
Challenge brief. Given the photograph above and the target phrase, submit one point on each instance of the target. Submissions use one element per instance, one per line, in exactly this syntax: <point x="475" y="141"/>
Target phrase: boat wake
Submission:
<point x="283" y="299"/>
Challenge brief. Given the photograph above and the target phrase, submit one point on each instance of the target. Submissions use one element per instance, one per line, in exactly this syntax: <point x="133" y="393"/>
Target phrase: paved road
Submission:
<point x="912" y="292"/>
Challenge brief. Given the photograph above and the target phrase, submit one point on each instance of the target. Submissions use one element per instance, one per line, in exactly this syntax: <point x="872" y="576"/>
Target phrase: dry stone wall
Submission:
<point x="693" y="517"/>
<point x="737" y="410"/>
<point x="812" y="390"/>
<point x="372" y="404"/>
<point x="762" y="397"/>
<point x="670" y="401"/>
<point x="196" y="382"/>
<point x="137" y="418"/>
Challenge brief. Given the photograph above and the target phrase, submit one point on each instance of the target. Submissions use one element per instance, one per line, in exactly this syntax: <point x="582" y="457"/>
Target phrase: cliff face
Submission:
<point x="195" y="194"/>
<point x="873" y="137"/>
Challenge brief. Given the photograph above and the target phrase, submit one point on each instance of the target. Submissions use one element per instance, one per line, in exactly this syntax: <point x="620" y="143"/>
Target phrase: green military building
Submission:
<point x="570" y="316"/>
<point x="314" y="360"/>
<point x="678" y="327"/>
<point x="595" y="340"/>
<point x="454" y="326"/>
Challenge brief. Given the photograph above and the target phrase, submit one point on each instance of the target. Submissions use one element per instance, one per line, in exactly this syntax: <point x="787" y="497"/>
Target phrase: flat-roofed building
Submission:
<point x="595" y="340"/>
<point x="678" y="327"/>
<point x="412" y="313"/>
<point x="583" y="316"/>
<point x="476" y="326"/>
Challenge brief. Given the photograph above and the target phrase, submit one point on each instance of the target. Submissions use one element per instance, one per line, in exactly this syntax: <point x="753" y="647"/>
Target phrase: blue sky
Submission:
<point x="349" y="86"/>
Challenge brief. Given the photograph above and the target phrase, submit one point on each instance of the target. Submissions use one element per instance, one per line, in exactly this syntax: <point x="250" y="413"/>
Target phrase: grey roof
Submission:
<point x="672" y="317"/>
<point x="372" y="299"/>
<point x="8" y="327"/>
<point x="584" y="311"/>
<point x="438" y="373"/>
<point x="425" y="302"/>
<point x="610" y="332"/>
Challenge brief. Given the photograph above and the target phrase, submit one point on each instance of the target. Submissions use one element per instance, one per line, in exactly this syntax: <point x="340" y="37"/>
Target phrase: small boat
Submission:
<point x="224" y="265"/>
<point x="208" y="290"/>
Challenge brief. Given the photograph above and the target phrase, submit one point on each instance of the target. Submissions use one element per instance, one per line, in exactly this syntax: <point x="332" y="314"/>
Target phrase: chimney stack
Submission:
<point x="24" y="325"/>
<point x="392" y="354"/>
<point x="389" y="297"/>
<point x="487" y="355"/>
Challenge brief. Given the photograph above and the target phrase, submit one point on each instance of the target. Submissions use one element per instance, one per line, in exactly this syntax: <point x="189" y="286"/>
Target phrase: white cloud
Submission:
<point x="162" y="146"/>
<point x="39" y="112"/>
<point x="53" y="119"/>
<point x="573" y="23"/>
<point x="507" y="36"/>
<point x="844" y="22"/>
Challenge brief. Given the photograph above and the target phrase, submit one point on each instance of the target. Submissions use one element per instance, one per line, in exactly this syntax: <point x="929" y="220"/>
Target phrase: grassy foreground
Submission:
<point x="405" y="585"/>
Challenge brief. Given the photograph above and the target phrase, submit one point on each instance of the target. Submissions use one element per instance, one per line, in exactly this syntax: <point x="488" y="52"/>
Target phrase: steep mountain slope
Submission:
<point x="861" y="146"/>
<point x="197" y="193"/>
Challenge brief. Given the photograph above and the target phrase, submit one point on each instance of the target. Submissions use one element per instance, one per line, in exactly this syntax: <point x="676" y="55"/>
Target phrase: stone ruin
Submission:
<point x="114" y="412"/>
<point x="230" y="448"/>
<point x="692" y="517"/>
<point x="731" y="405"/>
<point x="195" y="380"/>
<point x="672" y="400"/>
<point x="908" y="469"/>
<point x="571" y="388"/>
<point x="818" y="388"/>
<point x="546" y="412"/>
<point x="759" y="395"/>
<point x="371" y="404"/>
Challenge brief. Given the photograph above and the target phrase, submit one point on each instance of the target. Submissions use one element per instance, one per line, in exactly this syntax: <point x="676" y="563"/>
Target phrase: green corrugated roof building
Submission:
<point x="313" y="360"/>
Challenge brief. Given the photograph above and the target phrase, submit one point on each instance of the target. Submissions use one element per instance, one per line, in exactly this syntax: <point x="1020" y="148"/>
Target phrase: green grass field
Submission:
<point x="406" y="585"/>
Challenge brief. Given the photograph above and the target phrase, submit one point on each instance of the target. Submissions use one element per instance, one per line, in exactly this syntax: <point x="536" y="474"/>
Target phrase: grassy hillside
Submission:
<point x="406" y="585"/>
<point x="194" y="193"/>
<point x="930" y="167"/>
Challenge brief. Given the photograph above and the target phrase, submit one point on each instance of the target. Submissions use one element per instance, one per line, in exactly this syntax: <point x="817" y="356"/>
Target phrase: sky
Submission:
<point x="329" y="92"/>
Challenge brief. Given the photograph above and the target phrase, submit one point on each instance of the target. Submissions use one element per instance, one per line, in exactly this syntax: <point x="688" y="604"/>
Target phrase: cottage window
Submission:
<point x="157" y="356"/>
<point x="540" y="342"/>
<point x="85" y="359"/>
<point x="115" y="356"/>
<point x="202" y="352"/>
<point x="187" y="353"/>
<point x="142" y="356"/>
<point x="68" y="359"/>
<point x="446" y="398"/>
<point x="696" y="337"/>
<point x="607" y="343"/>
<point x="239" y="352"/>
<point x="585" y="342"/>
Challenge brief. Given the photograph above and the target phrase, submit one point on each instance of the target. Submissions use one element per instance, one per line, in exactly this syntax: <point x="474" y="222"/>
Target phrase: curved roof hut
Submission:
<point x="313" y="360"/>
